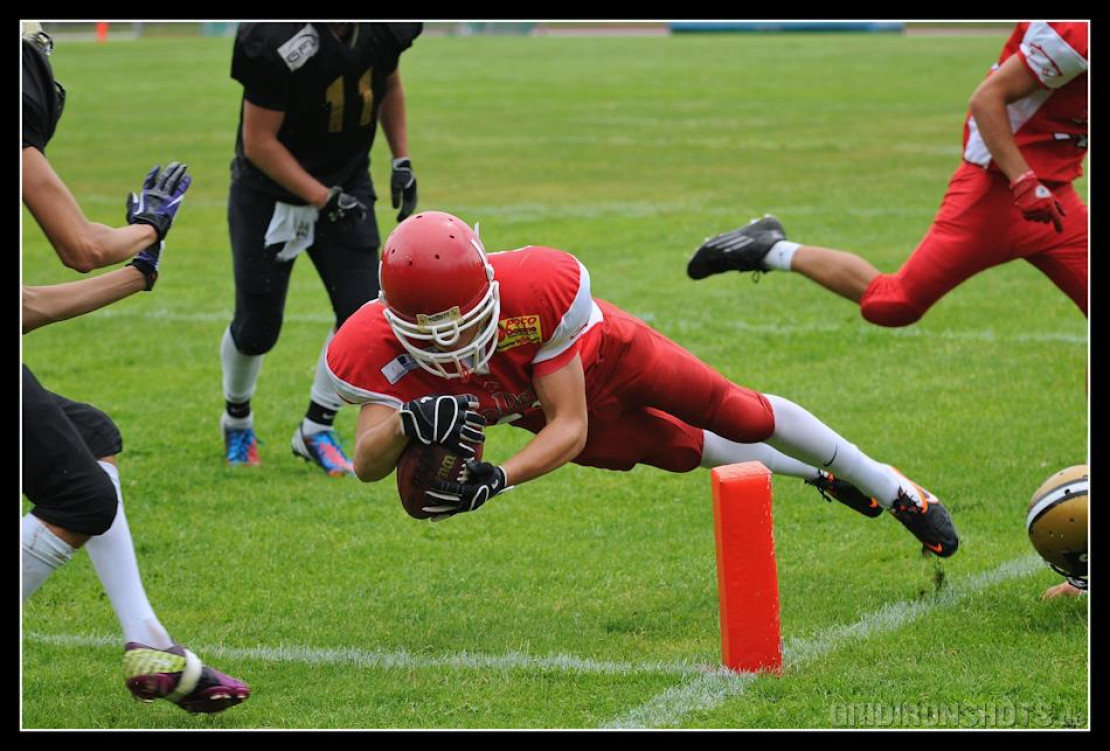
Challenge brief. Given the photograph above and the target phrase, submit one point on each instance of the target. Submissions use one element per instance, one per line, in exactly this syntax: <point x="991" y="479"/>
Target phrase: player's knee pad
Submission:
<point x="96" y="515"/>
<point x="744" y="416"/>
<point x="257" y="335"/>
<point x="890" y="313"/>
<point x="885" y="303"/>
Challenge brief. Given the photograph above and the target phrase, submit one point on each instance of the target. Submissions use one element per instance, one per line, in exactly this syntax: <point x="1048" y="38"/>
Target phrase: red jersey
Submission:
<point x="1049" y="125"/>
<point x="547" y="317"/>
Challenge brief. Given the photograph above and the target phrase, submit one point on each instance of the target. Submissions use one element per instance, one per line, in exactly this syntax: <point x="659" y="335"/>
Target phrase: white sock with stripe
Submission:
<point x="323" y="391"/>
<point x="240" y="378"/>
<point x="801" y="435"/>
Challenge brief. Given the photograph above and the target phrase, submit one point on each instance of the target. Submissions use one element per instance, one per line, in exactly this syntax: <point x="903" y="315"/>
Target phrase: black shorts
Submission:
<point x="346" y="258"/>
<point x="62" y="441"/>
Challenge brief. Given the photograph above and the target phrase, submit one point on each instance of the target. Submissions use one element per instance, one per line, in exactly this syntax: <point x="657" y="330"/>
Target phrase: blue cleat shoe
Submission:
<point x="324" y="450"/>
<point x="241" y="446"/>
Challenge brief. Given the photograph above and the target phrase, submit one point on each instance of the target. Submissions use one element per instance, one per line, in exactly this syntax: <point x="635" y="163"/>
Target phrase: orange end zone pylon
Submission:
<point x="747" y="576"/>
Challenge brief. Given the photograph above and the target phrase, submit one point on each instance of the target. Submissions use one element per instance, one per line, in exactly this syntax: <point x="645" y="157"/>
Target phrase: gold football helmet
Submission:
<point x="1057" y="521"/>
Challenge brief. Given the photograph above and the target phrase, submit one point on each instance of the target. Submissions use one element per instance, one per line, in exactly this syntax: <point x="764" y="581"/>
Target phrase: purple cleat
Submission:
<point x="178" y="675"/>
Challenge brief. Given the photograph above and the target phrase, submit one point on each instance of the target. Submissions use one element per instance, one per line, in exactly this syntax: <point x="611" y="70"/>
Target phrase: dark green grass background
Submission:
<point x="626" y="152"/>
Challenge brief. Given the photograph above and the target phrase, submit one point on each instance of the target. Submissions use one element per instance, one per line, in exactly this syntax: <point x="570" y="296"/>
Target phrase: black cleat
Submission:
<point x="834" y="488"/>
<point x="926" y="518"/>
<point x="739" y="250"/>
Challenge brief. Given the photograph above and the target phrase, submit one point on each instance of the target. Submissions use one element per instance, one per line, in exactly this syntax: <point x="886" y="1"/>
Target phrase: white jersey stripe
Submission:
<point x="1020" y="113"/>
<point x="354" y="395"/>
<point x="582" y="316"/>
<point x="1052" y="60"/>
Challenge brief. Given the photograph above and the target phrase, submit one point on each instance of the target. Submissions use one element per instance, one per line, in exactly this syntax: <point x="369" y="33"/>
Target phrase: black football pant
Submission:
<point x="346" y="258"/>
<point x="62" y="441"/>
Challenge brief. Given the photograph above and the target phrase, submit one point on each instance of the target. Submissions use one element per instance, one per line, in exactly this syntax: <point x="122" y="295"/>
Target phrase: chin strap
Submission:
<point x="1077" y="582"/>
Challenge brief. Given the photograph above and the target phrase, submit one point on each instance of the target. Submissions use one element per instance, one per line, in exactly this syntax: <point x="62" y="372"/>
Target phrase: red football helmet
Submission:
<point x="441" y="299"/>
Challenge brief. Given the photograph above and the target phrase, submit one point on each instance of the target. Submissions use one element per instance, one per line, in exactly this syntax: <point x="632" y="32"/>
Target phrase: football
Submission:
<point x="421" y="466"/>
<point x="1057" y="520"/>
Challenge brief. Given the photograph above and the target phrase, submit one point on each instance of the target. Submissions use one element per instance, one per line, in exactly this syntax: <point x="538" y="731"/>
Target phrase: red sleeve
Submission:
<point x="366" y="364"/>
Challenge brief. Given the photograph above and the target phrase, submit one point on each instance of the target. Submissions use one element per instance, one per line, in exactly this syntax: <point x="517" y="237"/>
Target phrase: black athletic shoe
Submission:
<point x="926" y="518"/>
<point x="740" y="250"/>
<point x="834" y="488"/>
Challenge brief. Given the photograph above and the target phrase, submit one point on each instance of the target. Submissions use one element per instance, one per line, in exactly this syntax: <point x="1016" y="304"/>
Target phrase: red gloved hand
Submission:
<point x="1036" y="202"/>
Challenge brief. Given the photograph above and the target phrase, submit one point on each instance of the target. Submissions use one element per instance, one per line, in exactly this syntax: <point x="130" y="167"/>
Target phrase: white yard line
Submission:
<point x="706" y="687"/>
<point x="708" y="691"/>
<point x="399" y="659"/>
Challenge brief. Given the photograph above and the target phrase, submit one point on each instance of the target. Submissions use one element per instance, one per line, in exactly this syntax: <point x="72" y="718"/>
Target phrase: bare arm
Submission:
<point x="262" y="147"/>
<point x="1011" y="82"/>
<point x="562" y="395"/>
<point x="379" y="442"/>
<point x="392" y="115"/>
<point x="80" y="244"/>
<point x="59" y="302"/>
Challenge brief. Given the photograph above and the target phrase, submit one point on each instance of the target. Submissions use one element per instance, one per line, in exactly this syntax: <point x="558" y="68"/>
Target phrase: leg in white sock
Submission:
<point x="720" y="451"/>
<point x="801" y="435"/>
<point x="323" y="392"/>
<point x="240" y="374"/>
<point x="113" y="557"/>
<point x="43" y="552"/>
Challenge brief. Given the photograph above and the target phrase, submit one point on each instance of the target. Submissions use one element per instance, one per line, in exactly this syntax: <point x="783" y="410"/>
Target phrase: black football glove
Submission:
<point x="447" y="420"/>
<point x="160" y="198"/>
<point x="147" y="262"/>
<point x="402" y="184"/>
<point x="342" y="208"/>
<point x="483" y="481"/>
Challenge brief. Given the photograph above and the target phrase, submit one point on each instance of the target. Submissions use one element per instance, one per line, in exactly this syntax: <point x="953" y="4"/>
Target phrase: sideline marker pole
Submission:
<point x="747" y="575"/>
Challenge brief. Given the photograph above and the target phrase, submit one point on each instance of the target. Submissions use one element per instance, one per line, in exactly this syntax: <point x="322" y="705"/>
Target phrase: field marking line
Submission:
<point x="399" y="659"/>
<point x="708" y="691"/>
<point x="681" y="325"/>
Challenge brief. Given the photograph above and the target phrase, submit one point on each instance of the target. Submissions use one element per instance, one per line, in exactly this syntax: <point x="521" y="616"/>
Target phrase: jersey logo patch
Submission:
<point x="513" y="332"/>
<point x="300" y="47"/>
<point x="396" y="368"/>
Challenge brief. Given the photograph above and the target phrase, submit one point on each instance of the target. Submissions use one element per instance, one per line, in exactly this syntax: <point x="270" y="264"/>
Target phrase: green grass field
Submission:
<point x="587" y="598"/>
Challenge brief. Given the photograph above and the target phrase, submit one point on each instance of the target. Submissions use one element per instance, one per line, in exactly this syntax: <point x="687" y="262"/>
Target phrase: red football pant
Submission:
<point x="978" y="226"/>
<point x="649" y="401"/>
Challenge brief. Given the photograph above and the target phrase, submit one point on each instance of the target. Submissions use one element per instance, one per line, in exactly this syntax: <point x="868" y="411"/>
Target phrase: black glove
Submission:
<point x="341" y="207"/>
<point x="483" y="482"/>
<point x="447" y="420"/>
<point x="402" y="183"/>
<point x="160" y="198"/>
<point x="147" y="262"/>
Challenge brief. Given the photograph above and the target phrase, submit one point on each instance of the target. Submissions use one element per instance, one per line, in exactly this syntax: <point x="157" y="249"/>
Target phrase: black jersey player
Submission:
<point x="313" y="94"/>
<point x="68" y="451"/>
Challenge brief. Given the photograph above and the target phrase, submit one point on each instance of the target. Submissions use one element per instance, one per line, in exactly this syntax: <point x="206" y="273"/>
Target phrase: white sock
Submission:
<point x="240" y="371"/>
<point x="780" y="255"/>
<point x="43" y="552"/>
<point x="113" y="557"/>
<point x="720" y="451"/>
<point x="323" y="390"/>
<point x="801" y="435"/>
